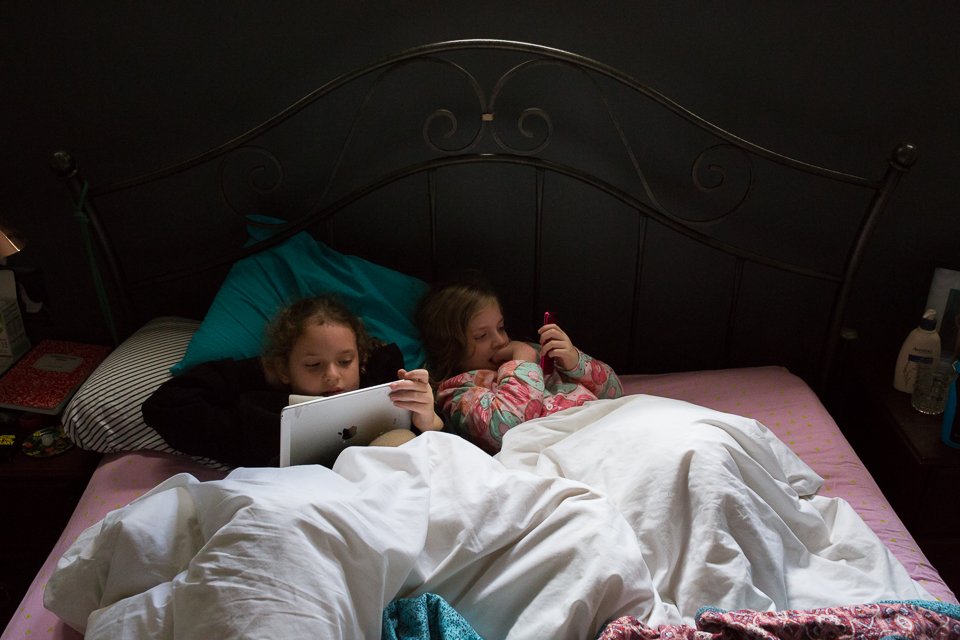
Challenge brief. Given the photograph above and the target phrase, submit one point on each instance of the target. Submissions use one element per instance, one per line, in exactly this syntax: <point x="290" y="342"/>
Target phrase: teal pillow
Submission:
<point x="259" y="285"/>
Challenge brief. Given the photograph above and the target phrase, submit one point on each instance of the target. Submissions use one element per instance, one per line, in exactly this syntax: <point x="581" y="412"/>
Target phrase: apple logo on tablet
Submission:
<point x="348" y="433"/>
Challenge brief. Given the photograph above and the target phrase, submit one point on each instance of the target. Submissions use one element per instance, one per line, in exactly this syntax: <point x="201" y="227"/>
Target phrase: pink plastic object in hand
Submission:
<point x="547" y="363"/>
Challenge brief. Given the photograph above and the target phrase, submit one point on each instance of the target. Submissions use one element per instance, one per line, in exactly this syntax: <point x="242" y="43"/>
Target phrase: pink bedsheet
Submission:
<point x="772" y="395"/>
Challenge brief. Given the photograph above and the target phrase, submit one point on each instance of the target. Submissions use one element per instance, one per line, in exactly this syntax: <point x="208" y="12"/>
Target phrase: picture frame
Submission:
<point x="944" y="298"/>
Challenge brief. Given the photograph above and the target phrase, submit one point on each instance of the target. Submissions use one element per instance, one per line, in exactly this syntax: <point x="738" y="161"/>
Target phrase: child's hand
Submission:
<point x="413" y="392"/>
<point x="554" y="343"/>
<point x="515" y="350"/>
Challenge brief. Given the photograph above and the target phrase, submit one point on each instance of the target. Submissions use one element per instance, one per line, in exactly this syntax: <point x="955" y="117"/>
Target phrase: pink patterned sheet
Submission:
<point x="772" y="395"/>
<point x="864" y="622"/>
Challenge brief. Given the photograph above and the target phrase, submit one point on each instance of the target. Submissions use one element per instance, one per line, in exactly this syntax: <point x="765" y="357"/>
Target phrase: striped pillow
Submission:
<point x="104" y="415"/>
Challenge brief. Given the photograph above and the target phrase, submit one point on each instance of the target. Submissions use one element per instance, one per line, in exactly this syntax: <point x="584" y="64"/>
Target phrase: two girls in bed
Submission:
<point x="229" y="410"/>
<point x="488" y="383"/>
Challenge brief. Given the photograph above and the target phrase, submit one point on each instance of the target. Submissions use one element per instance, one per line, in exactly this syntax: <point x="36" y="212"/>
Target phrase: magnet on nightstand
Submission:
<point x="9" y="435"/>
<point x="47" y="442"/>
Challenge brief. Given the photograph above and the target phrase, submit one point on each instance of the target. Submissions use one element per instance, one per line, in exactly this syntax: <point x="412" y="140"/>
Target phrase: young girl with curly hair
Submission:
<point x="229" y="410"/>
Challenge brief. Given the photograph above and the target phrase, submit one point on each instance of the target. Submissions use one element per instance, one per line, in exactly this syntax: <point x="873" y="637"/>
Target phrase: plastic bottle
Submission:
<point x="923" y="344"/>
<point x="950" y="434"/>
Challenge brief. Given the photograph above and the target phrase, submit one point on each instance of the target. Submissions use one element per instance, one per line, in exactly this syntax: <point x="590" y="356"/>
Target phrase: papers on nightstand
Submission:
<point x="13" y="338"/>
<point x="47" y="377"/>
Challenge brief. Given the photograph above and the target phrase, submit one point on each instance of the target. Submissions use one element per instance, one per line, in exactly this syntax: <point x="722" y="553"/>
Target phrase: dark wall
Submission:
<point x="131" y="88"/>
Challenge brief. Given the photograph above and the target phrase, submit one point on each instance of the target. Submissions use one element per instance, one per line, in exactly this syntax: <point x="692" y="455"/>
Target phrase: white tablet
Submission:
<point x="317" y="430"/>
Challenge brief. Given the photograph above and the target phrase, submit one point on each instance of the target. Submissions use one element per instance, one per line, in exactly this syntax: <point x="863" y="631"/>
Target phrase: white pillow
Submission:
<point x="104" y="415"/>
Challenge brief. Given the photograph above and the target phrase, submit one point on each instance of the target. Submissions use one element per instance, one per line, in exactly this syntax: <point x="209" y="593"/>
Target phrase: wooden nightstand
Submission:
<point x="901" y="447"/>
<point x="37" y="497"/>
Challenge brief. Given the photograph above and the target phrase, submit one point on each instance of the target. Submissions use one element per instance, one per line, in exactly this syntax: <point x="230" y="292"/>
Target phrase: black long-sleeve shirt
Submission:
<point x="225" y="410"/>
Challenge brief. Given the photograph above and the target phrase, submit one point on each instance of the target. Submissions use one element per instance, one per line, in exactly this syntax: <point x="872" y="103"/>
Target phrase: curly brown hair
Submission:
<point x="290" y="322"/>
<point x="443" y="317"/>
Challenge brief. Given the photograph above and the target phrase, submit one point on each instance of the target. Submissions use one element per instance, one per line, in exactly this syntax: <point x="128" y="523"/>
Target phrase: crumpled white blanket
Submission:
<point x="309" y="552"/>
<point x="641" y="506"/>
<point x="725" y="513"/>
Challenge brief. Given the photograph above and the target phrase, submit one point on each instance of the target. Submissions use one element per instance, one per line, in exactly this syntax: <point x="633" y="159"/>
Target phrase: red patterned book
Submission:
<point x="48" y="375"/>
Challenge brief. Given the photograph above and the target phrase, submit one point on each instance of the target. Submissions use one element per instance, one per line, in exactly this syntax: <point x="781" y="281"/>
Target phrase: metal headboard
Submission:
<point x="902" y="158"/>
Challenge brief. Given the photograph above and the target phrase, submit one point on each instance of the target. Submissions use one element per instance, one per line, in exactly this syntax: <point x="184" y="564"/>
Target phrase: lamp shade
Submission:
<point x="10" y="242"/>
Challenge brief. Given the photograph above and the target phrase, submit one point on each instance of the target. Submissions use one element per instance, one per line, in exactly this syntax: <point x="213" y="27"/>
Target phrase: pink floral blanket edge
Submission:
<point x="913" y="620"/>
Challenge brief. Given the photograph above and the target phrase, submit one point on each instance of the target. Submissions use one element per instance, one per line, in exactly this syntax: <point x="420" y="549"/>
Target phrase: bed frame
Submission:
<point x="725" y="168"/>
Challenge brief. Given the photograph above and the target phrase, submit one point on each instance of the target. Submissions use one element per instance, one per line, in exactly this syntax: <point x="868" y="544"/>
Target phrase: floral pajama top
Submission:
<point x="483" y="405"/>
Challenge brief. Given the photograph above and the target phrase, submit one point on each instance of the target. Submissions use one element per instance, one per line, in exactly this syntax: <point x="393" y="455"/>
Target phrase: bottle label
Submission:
<point x="955" y="427"/>
<point x="918" y="359"/>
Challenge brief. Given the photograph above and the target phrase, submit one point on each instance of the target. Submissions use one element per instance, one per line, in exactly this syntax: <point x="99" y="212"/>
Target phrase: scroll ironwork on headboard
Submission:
<point x="708" y="176"/>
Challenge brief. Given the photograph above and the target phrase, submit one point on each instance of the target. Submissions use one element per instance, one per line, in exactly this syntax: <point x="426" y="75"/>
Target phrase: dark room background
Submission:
<point x="128" y="88"/>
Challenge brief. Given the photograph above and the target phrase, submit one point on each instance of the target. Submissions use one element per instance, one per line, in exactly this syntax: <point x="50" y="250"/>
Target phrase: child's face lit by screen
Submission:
<point x="324" y="361"/>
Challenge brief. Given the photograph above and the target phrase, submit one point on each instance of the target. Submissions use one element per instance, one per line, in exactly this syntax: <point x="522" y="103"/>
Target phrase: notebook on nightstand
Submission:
<point x="46" y="378"/>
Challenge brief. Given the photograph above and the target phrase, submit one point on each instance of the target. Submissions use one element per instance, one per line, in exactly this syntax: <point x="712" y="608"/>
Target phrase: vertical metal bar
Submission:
<point x="731" y="318"/>
<point x="903" y="157"/>
<point x="537" y="253"/>
<point x="63" y="165"/>
<point x="432" y="188"/>
<point x="635" y="303"/>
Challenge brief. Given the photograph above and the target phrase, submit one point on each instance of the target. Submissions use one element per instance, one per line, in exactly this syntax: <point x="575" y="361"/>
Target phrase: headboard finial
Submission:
<point x="62" y="164"/>
<point x="904" y="156"/>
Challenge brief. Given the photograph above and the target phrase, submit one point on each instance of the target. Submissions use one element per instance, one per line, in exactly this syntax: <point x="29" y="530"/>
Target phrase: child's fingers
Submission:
<point x="417" y="376"/>
<point x="547" y="327"/>
<point x="412" y="392"/>
<point x="547" y="347"/>
<point x="553" y="334"/>
<point x="558" y="349"/>
<point x="410" y="386"/>
<point x="555" y="344"/>
<point x="416" y="407"/>
<point x="421" y="375"/>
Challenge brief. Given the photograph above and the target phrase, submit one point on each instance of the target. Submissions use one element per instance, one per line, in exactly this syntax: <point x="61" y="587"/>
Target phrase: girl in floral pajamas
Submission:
<point x="489" y="383"/>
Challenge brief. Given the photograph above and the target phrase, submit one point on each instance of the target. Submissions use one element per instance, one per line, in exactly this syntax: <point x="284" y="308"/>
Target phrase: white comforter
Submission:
<point x="641" y="506"/>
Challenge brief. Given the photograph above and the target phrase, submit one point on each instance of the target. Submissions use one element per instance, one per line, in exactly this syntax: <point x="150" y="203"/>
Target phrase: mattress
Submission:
<point x="772" y="395"/>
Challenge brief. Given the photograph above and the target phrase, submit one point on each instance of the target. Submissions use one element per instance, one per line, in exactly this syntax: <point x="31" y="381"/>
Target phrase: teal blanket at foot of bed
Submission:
<point x="428" y="617"/>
